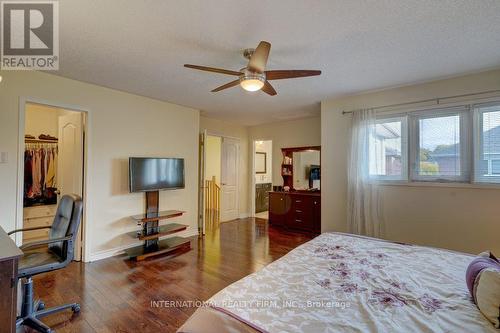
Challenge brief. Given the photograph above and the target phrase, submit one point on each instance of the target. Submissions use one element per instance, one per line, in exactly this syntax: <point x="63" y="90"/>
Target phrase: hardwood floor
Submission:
<point x="116" y="295"/>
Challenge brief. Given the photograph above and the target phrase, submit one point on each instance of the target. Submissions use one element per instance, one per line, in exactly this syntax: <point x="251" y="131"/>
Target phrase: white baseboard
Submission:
<point x="119" y="250"/>
<point x="104" y="254"/>
<point x="244" y="215"/>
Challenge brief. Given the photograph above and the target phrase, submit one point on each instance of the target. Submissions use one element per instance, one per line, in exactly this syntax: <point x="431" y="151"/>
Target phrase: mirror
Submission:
<point x="306" y="169"/>
<point x="260" y="162"/>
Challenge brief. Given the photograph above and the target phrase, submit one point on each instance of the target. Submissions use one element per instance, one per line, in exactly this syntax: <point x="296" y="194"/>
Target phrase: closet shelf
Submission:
<point x="39" y="141"/>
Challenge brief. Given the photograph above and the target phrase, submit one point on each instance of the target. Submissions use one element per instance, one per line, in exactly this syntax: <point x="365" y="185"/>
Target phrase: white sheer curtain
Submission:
<point x="363" y="204"/>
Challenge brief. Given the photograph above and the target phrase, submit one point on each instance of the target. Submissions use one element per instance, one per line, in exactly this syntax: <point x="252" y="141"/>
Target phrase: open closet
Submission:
<point x="53" y="164"/>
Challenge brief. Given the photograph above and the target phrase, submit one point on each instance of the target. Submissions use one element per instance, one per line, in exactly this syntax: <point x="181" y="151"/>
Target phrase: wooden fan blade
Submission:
<point x="213" y="69"/>
<point x="289" y="74"/>
<point x="258" y="60"/>
<point x="227" y="85"/>
<point x="268" y="89"/>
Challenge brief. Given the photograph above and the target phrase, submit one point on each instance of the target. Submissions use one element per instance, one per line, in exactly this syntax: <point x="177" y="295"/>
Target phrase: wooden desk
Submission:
<point x="9" y="257"/>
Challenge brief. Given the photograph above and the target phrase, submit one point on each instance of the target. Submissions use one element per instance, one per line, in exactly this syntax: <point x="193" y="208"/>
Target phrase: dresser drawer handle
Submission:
<point x="315" y="203"/>
<point x="298" y="220"/>
<point x="298" y="201"/>
<point x="298" y="211"/>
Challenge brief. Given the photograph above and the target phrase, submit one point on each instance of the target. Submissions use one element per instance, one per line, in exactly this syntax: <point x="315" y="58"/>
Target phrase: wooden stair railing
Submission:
<point x="212" y="201"/>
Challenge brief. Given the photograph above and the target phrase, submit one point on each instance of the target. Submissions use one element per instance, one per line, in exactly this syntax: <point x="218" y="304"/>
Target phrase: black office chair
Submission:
<point x="41" y="259"/>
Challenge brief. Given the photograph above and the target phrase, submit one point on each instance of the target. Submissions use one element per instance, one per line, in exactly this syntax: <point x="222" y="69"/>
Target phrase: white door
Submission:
<point x="229" y="179"/>
<point x="70" y="162"/>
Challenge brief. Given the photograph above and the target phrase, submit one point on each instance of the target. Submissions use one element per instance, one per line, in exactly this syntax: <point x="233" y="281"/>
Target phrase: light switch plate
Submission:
<point x="4" y="157"/>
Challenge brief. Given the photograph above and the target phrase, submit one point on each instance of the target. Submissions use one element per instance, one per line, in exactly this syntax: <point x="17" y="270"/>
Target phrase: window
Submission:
<point x="487" y="143"/>
<point x="440" y="145"/>
<point x="388" y="149"/>
<point x="495" y="167"/>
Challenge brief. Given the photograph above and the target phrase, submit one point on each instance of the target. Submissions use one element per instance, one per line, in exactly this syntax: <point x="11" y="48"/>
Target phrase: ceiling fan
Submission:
<point x="255" y="77"/>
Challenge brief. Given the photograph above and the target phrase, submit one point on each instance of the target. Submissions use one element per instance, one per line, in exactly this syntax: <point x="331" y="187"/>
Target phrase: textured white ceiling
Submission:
<point x="141" y="46"/>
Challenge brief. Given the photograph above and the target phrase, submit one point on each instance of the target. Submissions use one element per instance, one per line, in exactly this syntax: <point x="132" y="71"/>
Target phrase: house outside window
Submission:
<point x="487" y="145"/>
<point x="437" y="145"/>
<point x="388" y="149"/>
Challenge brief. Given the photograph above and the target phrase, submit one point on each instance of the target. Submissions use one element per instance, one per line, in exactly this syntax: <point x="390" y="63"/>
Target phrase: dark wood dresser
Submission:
<point x="300" y="211"/>
<point x="9" y="257"/>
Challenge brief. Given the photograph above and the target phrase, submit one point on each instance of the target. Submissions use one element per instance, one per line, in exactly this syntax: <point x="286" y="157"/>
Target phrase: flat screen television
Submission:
<point x="155" y="174"/>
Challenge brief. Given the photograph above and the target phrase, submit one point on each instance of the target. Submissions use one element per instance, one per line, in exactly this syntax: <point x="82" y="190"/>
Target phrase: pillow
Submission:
<point x="483" y="281"/>
<point x="487" y="254"/>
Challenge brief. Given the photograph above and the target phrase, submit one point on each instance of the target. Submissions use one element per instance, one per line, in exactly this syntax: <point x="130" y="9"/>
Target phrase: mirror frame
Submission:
<point x="265" y="163"/>
<point x="288" y="181"/>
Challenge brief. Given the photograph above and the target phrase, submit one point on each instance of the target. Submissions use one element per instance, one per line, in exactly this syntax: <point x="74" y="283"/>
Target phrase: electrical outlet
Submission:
<point x="4" y="157"/>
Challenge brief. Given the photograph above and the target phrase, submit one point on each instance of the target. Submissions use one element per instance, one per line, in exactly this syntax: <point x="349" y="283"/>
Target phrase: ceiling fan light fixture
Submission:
<point x="251" y="84"/>
<point x="251" y="81"/>
<point x="254" y="76"/>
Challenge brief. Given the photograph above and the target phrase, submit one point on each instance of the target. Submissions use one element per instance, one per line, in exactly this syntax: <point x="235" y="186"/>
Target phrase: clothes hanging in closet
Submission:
<point x="40" y="165"/>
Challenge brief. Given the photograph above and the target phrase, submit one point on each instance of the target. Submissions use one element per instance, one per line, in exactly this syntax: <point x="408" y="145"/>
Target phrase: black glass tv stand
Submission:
<point x="151" y="231"/>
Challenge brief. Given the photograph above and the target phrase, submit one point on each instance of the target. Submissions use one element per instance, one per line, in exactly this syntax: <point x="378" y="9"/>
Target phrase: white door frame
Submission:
<point x="252" y="176"/>
<point x="201" y="186"/>
<point x="252" y="181"/>
<point x="20" y="165"/>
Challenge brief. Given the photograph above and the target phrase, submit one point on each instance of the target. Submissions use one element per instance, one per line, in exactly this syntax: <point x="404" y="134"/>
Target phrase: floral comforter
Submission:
<point x="345" y="283"/>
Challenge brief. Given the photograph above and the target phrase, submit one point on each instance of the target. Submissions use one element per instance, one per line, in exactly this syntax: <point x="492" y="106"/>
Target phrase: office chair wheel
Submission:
<point x="76" y="308"/>
<point x="41" y="306"/>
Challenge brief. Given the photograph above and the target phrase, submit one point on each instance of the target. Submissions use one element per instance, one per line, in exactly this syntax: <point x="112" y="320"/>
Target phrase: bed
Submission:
<point x="345" y="283"/>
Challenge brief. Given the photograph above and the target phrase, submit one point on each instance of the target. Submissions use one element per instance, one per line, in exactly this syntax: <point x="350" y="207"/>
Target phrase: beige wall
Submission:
<point x="40" y="119"/>
<point x="293" y="133"/>
<point x="223" y="128"/>
<point x="120" y="125"/>
<point x="213" y="158"/>
<point x="460" y="218"/>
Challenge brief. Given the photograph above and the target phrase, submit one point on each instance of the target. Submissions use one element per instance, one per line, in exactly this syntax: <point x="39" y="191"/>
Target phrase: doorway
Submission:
<point x="219" y="186"/>
<point x="213" y="171"/>
<point x="52" y="148"/>
<point x="262" y="177"/>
